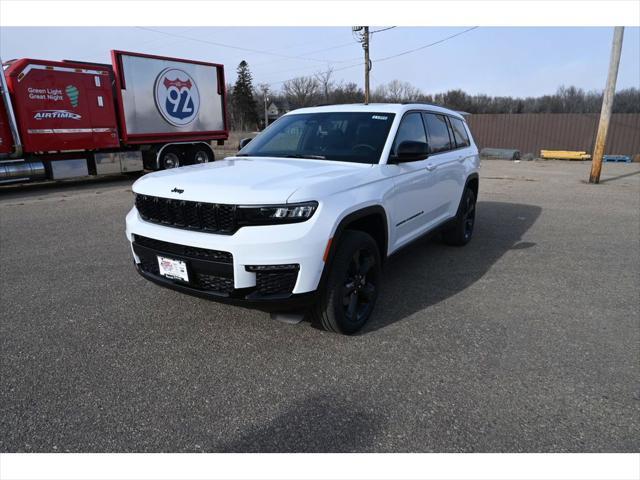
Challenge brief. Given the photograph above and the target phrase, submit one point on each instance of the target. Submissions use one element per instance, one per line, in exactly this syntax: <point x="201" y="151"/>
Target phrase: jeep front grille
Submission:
<point x="207" y="217"/>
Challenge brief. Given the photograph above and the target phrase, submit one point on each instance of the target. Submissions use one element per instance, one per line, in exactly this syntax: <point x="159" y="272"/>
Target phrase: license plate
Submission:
<point x="170" y="268"/>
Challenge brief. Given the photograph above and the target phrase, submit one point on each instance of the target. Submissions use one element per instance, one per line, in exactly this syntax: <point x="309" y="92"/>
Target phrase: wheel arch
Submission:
<point x="371" y="220"/>
<point x="473" y="182"/>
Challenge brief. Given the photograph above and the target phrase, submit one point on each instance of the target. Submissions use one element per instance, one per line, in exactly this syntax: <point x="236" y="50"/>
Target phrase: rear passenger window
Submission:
<point x="438" y="131"/>
<point x="459" y="132"/>
<point x="411" y="129"/>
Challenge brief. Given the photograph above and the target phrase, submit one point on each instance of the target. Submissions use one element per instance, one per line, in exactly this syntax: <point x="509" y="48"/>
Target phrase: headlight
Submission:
<point x="275" y="214"/>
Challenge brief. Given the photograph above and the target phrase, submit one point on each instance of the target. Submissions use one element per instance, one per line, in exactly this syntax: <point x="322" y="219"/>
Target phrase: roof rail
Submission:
<point x="422" y="103"/>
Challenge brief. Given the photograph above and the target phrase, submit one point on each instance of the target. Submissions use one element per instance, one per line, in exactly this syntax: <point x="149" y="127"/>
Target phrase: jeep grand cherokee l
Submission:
<point x="303" y="217"/>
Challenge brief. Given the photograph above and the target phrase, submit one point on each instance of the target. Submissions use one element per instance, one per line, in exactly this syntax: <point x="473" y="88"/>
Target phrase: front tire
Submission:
<point x="352" y="285"/>
<point x="461" y="231"/>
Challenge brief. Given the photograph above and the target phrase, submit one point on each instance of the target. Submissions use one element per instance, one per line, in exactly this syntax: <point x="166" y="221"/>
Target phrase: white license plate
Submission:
<point x="170" y="268"/>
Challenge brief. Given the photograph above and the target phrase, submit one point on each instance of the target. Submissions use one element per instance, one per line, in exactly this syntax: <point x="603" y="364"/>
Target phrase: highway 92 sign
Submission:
<point x="176" y="97"/>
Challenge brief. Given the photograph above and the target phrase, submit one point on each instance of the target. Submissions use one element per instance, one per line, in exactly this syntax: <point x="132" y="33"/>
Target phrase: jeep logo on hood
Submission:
<point x="177" y="190"/>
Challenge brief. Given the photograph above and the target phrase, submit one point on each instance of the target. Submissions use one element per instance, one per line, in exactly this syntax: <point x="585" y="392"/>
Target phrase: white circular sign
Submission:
<point x="177" y="97"/>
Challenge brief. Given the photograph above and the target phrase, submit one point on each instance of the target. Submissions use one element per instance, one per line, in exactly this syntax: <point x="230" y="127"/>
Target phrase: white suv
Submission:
<point x="304" y="216"/>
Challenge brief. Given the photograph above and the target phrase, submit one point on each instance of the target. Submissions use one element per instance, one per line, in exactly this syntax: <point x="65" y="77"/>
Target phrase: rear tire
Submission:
<point x="347" y="301"/>
<point x="200" y="154"/>
<point x="169" y="158"/>
<point x="461" y="231"/>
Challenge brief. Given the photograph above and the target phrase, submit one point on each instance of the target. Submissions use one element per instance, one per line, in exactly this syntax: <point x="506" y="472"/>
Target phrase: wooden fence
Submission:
<point x="532" y="132"/>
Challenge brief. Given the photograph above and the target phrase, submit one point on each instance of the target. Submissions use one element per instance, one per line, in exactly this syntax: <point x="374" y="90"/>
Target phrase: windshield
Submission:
<point x="341" y="136"/>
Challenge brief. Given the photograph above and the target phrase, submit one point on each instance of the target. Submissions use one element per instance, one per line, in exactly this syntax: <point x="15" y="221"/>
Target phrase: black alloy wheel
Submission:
<point x="359" y="287"/>
<point x="352" y="286"/>
<point x="469" y="216"/>
<point x="459" y="233"/>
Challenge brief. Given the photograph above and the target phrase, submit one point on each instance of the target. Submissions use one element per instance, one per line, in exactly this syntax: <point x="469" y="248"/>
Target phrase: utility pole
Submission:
<point x="264" y="88"/>
<point x="364" y="39"/>
<point x="607" y="104"/>
<point x="367" y="64"/>
<point x="266" y="112"/>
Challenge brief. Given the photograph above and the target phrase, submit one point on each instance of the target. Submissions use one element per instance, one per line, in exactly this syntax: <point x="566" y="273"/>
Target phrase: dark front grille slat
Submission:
<point x="208" y="214"/>
<point x="270" y="283"/>
<point x="151" y="267"/>
<point x="215" y="283"/>
<point x="226" y="217"/>
<point x="191" y="217"/>
<point x="184" y="250"/>
<point x="208" y="217"/>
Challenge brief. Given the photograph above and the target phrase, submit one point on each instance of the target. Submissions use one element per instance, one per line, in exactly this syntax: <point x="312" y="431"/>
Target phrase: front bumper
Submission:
<point x="234" y="269"/>
<point x="246" y="298"/>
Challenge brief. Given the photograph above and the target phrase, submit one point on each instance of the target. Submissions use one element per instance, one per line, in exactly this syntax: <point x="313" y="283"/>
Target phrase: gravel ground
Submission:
<point x="526" y="340"/>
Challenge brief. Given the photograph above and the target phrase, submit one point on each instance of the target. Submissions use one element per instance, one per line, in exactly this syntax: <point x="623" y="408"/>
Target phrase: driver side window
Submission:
<point x="411" y="129"/>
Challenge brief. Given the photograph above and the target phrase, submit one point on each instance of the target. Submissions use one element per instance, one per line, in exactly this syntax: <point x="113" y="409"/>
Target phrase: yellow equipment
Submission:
<point x="564" y="155"/>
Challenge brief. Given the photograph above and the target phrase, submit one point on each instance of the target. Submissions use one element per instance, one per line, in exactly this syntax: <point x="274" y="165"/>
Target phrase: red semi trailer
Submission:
<point x="72" y="119"/>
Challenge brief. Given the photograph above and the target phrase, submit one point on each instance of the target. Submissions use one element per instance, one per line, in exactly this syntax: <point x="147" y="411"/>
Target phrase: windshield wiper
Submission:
<point x="312" y="157"/>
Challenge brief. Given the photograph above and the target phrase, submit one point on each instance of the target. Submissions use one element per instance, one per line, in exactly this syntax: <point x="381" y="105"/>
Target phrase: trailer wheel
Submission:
<point x="169" y="159"/>
<point x="200" y="153"/>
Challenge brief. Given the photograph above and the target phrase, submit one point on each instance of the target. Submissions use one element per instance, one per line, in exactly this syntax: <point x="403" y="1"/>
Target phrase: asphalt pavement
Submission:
<point x="525" y="340"/>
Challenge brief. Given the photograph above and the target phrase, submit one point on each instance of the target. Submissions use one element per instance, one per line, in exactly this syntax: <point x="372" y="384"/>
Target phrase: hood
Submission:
<point x="252" y="180"/>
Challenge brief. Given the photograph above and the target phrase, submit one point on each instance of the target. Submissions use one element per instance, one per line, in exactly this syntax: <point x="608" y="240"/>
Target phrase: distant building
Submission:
<point x="276" y="110"/>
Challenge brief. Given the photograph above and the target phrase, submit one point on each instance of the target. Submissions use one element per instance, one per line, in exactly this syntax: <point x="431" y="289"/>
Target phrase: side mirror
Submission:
<point x="410" y="151"/>
<point x="244" y="142"/>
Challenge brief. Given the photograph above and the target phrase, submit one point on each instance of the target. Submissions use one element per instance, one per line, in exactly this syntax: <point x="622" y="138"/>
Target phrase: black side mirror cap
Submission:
<point x="410" y="151"/>
<point x="243" y="142"/>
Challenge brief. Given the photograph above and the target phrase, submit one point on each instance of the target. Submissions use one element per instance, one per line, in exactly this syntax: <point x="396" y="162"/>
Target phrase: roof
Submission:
<point x="398" y="108"/>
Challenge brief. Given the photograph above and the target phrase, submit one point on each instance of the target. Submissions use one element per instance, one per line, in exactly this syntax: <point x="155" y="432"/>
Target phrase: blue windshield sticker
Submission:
<point x="378" y="117"/>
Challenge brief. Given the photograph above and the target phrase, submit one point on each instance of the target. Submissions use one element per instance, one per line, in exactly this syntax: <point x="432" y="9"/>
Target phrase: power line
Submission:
<point x="334" y="47"/>
<point x="218" y="44"/>
<point x="381" y="30"/>
<point x="335" y="70"/>
<point x="315" y="67"/>
<point x="329" y="48"/>
<point x="406" y="52"/>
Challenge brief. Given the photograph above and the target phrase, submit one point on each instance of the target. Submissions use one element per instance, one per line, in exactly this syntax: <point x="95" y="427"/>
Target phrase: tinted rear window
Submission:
<point x="438" y="131"/>
<point x="459" y="132"/>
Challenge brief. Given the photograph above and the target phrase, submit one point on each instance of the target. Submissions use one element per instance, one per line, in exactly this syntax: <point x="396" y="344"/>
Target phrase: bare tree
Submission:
<point x="325" y="83"/>
<point x="347" y="93"/>
<point x="301" y="91"/>
<point x="304" y="91"/>
<point x="411" y="93"/>
<point x="396" y="92"/>
<point x="379" y="94"/>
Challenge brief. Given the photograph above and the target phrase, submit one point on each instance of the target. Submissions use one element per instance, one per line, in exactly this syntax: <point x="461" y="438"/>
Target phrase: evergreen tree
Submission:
<point x="244" y="104"/>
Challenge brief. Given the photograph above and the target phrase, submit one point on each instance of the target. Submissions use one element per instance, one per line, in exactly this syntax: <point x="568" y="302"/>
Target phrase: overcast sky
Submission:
<point x="497" y="61"/>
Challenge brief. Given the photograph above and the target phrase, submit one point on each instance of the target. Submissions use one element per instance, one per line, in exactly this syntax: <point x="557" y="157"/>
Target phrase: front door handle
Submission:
<point x="430" y="166"/>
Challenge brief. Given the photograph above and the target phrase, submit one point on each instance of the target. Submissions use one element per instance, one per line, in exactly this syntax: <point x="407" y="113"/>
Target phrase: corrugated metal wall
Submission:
<point x="532" y="132"/>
